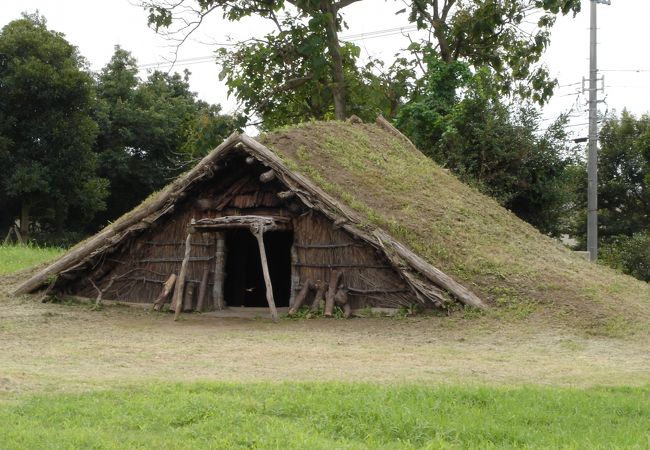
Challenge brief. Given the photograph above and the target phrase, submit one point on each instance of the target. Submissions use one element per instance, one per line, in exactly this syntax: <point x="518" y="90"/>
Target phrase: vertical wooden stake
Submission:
<point x="203" y="288"/>
<point x="335" y="277"/>
<point x="258" y="231"/>
<point x="189" y="298"/>
<point x="295" y="277"/>
<point x="180" y="282"/>
<point x="219" y="271"/>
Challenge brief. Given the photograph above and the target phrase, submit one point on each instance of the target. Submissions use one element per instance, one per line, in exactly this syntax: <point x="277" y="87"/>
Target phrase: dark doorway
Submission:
<point x="244" y="285"/>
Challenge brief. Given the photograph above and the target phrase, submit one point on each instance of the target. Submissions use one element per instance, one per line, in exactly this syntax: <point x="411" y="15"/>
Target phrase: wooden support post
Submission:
<point x="258" y="231"/>
<point x="166" y="291"/>
<point x="335" y="278"/>
<point x="180" y="283"/>
<point x="300" y="298"/>
<point x="321" y="288"/>
<point x="203" y="289"/>
<point x="219" y="272"/>
<point x="188" y="298"/>
<point x="295" y="277"/>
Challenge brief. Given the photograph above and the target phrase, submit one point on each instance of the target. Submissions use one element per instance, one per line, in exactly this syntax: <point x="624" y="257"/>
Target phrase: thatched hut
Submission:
<point x="248" y="227"/>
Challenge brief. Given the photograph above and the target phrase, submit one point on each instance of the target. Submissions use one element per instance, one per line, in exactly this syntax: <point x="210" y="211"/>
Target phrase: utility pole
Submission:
<point x="592" y="159"/>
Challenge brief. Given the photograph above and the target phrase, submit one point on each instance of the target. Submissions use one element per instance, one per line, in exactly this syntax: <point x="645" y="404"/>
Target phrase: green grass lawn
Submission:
<point x="14" y="258"/>
<point x="330" y="415"/>
<point x="316" y="415"/>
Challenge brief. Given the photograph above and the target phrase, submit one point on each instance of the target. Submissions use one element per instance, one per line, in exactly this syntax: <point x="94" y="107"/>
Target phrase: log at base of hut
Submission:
<point x="341" y="299"/>
<point x="335" y="279"/>
<point x="165" y="292"/>
<point x="321" y="288"/>
<point x="300" y="298"/>
<point x="188" y="298"/>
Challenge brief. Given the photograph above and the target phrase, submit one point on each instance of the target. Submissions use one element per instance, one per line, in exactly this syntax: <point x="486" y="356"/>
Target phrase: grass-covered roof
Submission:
<point x="459" y="230"/>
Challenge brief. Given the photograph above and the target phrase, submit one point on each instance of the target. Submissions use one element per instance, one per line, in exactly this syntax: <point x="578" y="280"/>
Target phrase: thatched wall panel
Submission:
<point x="141" y="264"/>
<point x="321" y="248"/>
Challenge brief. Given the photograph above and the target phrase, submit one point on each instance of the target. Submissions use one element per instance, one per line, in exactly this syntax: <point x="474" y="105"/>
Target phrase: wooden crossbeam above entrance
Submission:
<point x="265" y="223"/>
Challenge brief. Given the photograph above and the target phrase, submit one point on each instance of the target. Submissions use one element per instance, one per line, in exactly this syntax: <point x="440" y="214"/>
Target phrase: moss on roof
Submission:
<point x="460" y="230"/>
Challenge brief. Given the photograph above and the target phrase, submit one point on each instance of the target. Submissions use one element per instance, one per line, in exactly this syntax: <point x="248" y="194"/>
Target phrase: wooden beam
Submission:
<point x="229" y="194"/>
<point x="268" y="223"/>
<point x="258" y="232"/>
<point x="432" y="273"/>
<point x="267" y="176"/>
<point x="180" y="283"/>
<point x="219" y="272"/>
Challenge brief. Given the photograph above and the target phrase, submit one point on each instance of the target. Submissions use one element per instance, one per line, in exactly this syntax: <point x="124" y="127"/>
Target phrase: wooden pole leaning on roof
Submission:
<point x="180" y="282"/>
<point x="258" y="232"/>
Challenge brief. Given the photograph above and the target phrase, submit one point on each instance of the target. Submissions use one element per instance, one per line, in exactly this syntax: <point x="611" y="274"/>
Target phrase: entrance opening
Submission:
<point x="244" y="284"/>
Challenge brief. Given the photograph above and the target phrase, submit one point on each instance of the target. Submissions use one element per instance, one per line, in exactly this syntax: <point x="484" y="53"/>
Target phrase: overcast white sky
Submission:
<point x="96" y="26"/>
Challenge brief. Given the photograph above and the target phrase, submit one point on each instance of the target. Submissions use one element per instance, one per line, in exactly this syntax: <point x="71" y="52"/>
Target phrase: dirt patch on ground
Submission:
<point x="63" y="347"/>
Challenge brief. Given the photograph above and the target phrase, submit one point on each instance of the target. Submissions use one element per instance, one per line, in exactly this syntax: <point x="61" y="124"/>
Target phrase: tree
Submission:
<point x="493" y="33"/>
<point x="46" y="132"/>
<point x="623" y="180"/>
<point x="150" y="131"/>
<point x="459" y="119"/>
<point x="307" y="41"/>
<point x="284" y="78"/>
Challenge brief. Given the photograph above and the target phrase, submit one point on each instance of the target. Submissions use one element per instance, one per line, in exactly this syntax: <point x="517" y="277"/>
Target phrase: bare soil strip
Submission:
<point x="56" y="347"/>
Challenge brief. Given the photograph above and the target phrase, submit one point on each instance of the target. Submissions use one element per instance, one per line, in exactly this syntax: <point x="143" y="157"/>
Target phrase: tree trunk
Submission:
<point x="24" y="220"/>
<point x="334" y="48"/>
<point x="60" y="214"/>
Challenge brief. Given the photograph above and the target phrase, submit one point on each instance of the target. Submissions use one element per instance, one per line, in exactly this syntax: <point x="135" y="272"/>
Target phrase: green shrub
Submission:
<point x="630" y="254"/>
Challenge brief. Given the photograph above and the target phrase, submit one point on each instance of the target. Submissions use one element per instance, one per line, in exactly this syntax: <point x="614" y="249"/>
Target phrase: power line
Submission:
<point x="625" y="70"/>
<point x="349" y="38"/>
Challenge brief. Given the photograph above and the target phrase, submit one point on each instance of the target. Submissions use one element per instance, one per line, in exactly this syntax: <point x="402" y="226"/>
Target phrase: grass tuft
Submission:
<point x="15" y="257"/>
